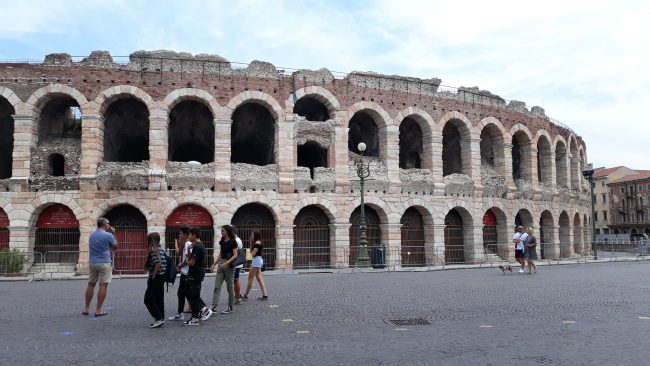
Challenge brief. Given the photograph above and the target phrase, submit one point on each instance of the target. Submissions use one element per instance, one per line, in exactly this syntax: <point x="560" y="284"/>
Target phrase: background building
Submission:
<point x="629" y="206"/>
<point x="602" y="214"/>
<point x="166" y="138"/>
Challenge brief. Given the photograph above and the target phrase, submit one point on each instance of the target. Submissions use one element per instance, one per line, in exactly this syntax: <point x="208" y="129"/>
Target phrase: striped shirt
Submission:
<point x="152" y="260"/>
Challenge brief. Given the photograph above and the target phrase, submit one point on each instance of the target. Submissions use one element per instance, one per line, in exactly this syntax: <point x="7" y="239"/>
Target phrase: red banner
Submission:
<point x="4" y="219"/>
<point x="190" y="215"/>
<point x="57" y="216"/>
<point x="489" y="219"/>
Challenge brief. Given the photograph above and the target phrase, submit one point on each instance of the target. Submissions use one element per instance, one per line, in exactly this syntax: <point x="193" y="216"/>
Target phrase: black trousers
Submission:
<point x="154" y="297"/>
<point x="182" y="283"/>
<point x="193" y="294"/>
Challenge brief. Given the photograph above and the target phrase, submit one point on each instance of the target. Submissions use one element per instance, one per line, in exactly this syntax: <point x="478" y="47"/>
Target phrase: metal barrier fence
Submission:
<point x="426" y="256"/>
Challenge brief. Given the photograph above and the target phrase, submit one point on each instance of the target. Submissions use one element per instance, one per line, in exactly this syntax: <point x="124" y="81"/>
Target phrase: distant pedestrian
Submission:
<point x="519" y="238"/>
<point x="238" y="268"/>
<point x="256" y="267"/>
<point x="156" y="266"/>
<point x="195" y="275"/>
<point x="100" y="244"/>
<point x="531" y="251"/>
<point x="225" y="271"/>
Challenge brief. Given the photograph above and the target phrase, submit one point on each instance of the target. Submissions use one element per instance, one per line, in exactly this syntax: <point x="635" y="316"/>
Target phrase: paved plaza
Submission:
<point x="595" y="314"/>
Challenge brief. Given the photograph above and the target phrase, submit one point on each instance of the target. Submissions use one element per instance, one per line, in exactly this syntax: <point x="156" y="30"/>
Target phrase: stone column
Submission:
<point x="392" y="232"/>
<point x="534" y="175"/>
<point x="284" y="246"/>
<point x="553" y="171"/>
<point x="92" y="151"/>
<point x="575" y="173"/>
<point x="391" y="158"/>
<point x="436" y="168"/>
<point x="285" y="156"/>
<point x="473" y="243"/>
<point x="341" y="157"/>
<point x="86" y="227"/>
<point x="438" y="242"/>
<point x="21" y="238"/>
<point x="24" y="140"/>
<point x="507" y="165"/>
<point x="223" y="150"/>
<point x="158" y="150"/>
<point x="472" y="156"/>
<point x="340" y="244"/>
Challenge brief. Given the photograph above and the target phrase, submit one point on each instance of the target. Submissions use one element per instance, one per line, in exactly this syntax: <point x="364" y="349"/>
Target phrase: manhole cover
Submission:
<point x="409" y="321"/>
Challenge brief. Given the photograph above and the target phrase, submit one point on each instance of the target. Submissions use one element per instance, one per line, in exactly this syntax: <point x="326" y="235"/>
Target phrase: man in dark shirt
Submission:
<point x="195" y="275"/>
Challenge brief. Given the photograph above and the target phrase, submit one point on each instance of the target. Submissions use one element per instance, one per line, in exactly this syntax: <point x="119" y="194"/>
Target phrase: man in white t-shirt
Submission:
<point x="240" y="246"/>
<point x="519" y="239"/>
<point x="183" y="246"/>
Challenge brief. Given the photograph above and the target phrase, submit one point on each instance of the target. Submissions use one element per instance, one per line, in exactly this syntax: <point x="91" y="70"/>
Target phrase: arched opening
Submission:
<point x="4" y="230"/>
<point x="491" y="151"/>
<point x="312" y="155"/>
<point x="191" y="133"/>
<point x="410" y="144"/>
<point x="561" y="164"/>
<point x="311" y="109"/>
<point x="544" y="160"/>
<point x="616" y="231"/>
<point x="373" y="232"/>
<point x="565" y="235"/>
<point x="59" y="135"/>
<point x="192" y="216"/>
<point x="311" y="238"/>
<point x="126" y="131"/>
<point x="523" y="218"/>
<point x="363" y="128"/>
<point x="57" y="235"/>
<point x="57" y="165"/>
<point x="454" y="238"/>
<point x="490" y="233"/>
<point x="413" y="238"/>
<point x="452" y="162"/>
<point x="6" y="138"/>
<point x="131" y="234"/>
<point x="520" y="156"/>
<point x="633" y="231"/>
<point x="577" y="234"/>
<point x="253" y="135"/>
<point x="256" y="217"/>
<point x="546" y="235"/>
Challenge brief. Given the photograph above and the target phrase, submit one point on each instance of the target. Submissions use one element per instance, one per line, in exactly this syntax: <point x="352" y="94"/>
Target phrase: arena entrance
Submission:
<point x="192" y="216"/>
<point x="4" y="230"/>
<point x="57" y="235"/>
<point x="311" y="239"/>
<point x="454" y="238"/>
<point x="131" y="234"/>
<point x="373" y="232"/>
<point x="256" y="217"/>
<point x="412" y="236"/>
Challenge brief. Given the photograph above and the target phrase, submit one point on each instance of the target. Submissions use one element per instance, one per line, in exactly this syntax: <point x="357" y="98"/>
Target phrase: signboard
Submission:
<point x="4" y="219"/>
<point x="489" y="219"/>
<point x="57" y="216"/>
<point x="190" y="215"/>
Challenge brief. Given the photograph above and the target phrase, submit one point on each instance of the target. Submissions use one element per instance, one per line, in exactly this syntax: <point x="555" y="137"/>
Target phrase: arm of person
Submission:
<point x="216" y="261"/>
<point x="113" y="241"/>
<point x="231" y="259"/>
<point x="254" y="252"/>
<point x="156" y="268"/>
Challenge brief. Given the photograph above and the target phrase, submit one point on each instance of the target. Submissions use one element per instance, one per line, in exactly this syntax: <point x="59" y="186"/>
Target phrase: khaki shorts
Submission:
<point x="100" y="272"/>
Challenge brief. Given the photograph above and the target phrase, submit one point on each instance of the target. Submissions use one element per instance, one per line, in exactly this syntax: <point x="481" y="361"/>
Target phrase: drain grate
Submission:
<point x="409" y="321"/>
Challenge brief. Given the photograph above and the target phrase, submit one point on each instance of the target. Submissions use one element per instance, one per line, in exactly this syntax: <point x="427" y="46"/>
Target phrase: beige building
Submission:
<point x="165" y="138"/>
<point x="603" y="176"/>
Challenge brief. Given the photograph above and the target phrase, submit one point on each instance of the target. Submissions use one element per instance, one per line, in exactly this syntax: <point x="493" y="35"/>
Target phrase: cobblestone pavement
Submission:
<point x="597" y="314"/>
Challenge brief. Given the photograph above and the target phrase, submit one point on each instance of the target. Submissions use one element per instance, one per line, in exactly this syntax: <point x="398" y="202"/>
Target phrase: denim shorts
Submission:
<point x="258" y="262"/>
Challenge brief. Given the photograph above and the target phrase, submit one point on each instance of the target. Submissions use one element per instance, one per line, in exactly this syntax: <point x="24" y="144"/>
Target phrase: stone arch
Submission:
<point x="521" y="153"/>
<point x="414" y="230"/>
<point x="377" y="204"/>
<point x="495" y="232"/>
<point x="199" y="95"/>
<point x="375" y="230"/>
<point x="578" y="243"/>
<point x="455" y="129"/>
<point x="459" y="236"/>
<point x="124" y="131"/>
<point x="374" y="135"/>
<point x="544" y="157"/>
<point x="105" y="206"/>
<point x="326" y="206"/>
<point x="191" y="131"/>
<point x="57" y="234"/>
<point x="564" y="224"/>
<point x="524" y="218"/>
<point x="492" y="146"/>
<point x="36" y="206"/>
<point x="258" y="216"/>
<point x="271" y="205"/>
<point x="193" y="215"/>
<point x="312" y="237"/>
<point x="547" y="235"/>
<point x="110" y="95"/>
<point x="257" y="97"/>
<point x="319" y="93"/>
<point x="38" y="99"/>
<point x="10" y="96"/>
<point x="262" y="131"/>
<point x="425" y="122"/>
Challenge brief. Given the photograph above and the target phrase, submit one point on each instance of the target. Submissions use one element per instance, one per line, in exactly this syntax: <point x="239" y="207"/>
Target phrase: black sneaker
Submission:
<point x="192" y="321"/>
<point x="157" y="324"/>
<point x="227" y="311"/>
<point x="263" y="298"/>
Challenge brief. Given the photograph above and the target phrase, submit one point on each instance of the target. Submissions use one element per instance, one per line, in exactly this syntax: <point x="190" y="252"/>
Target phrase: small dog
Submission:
<point x="505" y="267"/>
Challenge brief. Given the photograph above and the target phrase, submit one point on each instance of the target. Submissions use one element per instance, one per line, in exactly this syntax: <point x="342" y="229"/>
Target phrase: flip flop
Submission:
<point x="84" y="313"/>
<point x="101" y="314"/>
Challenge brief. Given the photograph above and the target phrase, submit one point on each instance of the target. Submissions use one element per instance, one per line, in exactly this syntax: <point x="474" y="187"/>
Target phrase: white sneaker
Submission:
<point x="180" y="317"/>
<point x="192" y="321"/>
<point x="157" y="324"/>
<point x="206" y="315"/>
<point x="521" y="271"/>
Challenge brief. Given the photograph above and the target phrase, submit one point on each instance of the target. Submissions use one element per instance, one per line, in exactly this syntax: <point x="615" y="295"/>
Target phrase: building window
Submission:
<point x="604" y="198"/>
<point x="596" y="216"/>
<point x="640" y="188"/>
<point x="605" y="231"/>
<point x="648" y="187"/>
<point x="602" y="183"/>
<point x="622" y="189"/>
<point x="593" y="185"/>
<point x="597" y="231"/>
<point x="605" y="215"/>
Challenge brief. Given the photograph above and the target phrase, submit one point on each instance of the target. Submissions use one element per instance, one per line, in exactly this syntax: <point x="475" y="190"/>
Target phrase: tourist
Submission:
<point x="100" y="244"/>
<point x="531" y="251"/>
<point x="156" y="265"/>
<point x="238" y="268"/>
<point x="182" y="246"/>
<point x="195" y="275"/>
<point x="256" y="267"/>
<point x="225" y="271"/>
<point x="519" y="238"/>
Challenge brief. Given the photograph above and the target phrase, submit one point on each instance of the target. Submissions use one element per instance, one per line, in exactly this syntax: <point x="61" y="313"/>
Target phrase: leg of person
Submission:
<point x="160" y="298"/>
<point x="93" y="277"/>
<point x="230" y="286"/>
<point x="105" y="276"/>
<point x="249" y="284"/>
<point x="193" y="289"/>
<point x="237" y="286"/>
<point x="216" y="293"/>
<point x="149" y="299"/>
<point x="260" y="280"/>
<point x="180" y="293"/>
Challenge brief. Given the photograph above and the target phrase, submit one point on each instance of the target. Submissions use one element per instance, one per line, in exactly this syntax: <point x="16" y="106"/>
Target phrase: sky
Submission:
<point x="584" y="62"/>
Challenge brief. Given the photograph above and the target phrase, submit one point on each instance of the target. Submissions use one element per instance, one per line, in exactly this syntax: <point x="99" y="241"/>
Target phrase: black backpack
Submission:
<point x="170" y="273"/>
<point x="241" y="257"/>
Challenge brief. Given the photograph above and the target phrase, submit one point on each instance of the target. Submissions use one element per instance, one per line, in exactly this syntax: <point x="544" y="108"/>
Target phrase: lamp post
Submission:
<point x="589" y="175"/>
<point x="363" y="171"/>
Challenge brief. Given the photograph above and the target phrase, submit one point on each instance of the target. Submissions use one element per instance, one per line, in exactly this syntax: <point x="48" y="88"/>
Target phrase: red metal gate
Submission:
<point x="4" y="230"/>
<point x="57" y="235"/>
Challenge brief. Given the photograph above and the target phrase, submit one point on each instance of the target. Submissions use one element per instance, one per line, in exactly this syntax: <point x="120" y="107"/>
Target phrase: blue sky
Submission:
<point x="585" y="62"/>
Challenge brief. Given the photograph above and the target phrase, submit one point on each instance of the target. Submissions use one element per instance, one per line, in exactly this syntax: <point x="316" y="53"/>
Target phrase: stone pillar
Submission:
<point x="284" y="246"/>
<point x="21" y="239"/>
<point x="223" y="150"/>
<point x="553" y="171"/>
<point x="429" y="244"/>
<point x="507" y="166"/>
<point x="436" y="168"/>
<point x="473" y="244"/>
<point x="285" y="156"/>
<point x="392" y="232"/>
<point x="575" y="173"/>
<point x="92" y="151"/>
<point x="340" y="244"/>
<point x="534" y="175"/>
<point x="341" y="157"/>
<point x="158" y="151"/>
<point x="391" y="158"/>
<point x="86" y="227"/>
<point x="438" y="242"/>
<point x="24" y="140"/>
<point x="472" y="156"/>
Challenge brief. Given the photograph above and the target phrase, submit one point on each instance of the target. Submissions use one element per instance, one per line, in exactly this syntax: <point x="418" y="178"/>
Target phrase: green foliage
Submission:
<point x="11" y="261"/>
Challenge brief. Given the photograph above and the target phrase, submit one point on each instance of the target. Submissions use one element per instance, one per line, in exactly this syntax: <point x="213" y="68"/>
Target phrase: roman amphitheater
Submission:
<point x="161" y="139"/>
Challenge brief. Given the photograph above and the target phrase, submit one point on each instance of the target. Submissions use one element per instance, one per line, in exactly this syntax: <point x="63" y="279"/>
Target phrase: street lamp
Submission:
<point x="589" y="175"/>
<point x="363" y="171"/>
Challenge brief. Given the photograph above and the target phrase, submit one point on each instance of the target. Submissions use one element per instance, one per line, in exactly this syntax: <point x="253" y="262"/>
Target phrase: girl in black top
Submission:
<point x="225" y="272"/>
<point x="256" y="267"/>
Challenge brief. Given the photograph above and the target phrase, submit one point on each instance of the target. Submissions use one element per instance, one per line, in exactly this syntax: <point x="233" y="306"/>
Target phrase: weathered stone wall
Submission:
<point x="122" y="176"/>
<point x="189" y="176"/>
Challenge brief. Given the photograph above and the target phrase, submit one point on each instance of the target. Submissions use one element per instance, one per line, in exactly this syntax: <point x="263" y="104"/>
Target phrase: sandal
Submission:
<point x="85" y="313"/>
<point x="103" y="313"/>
